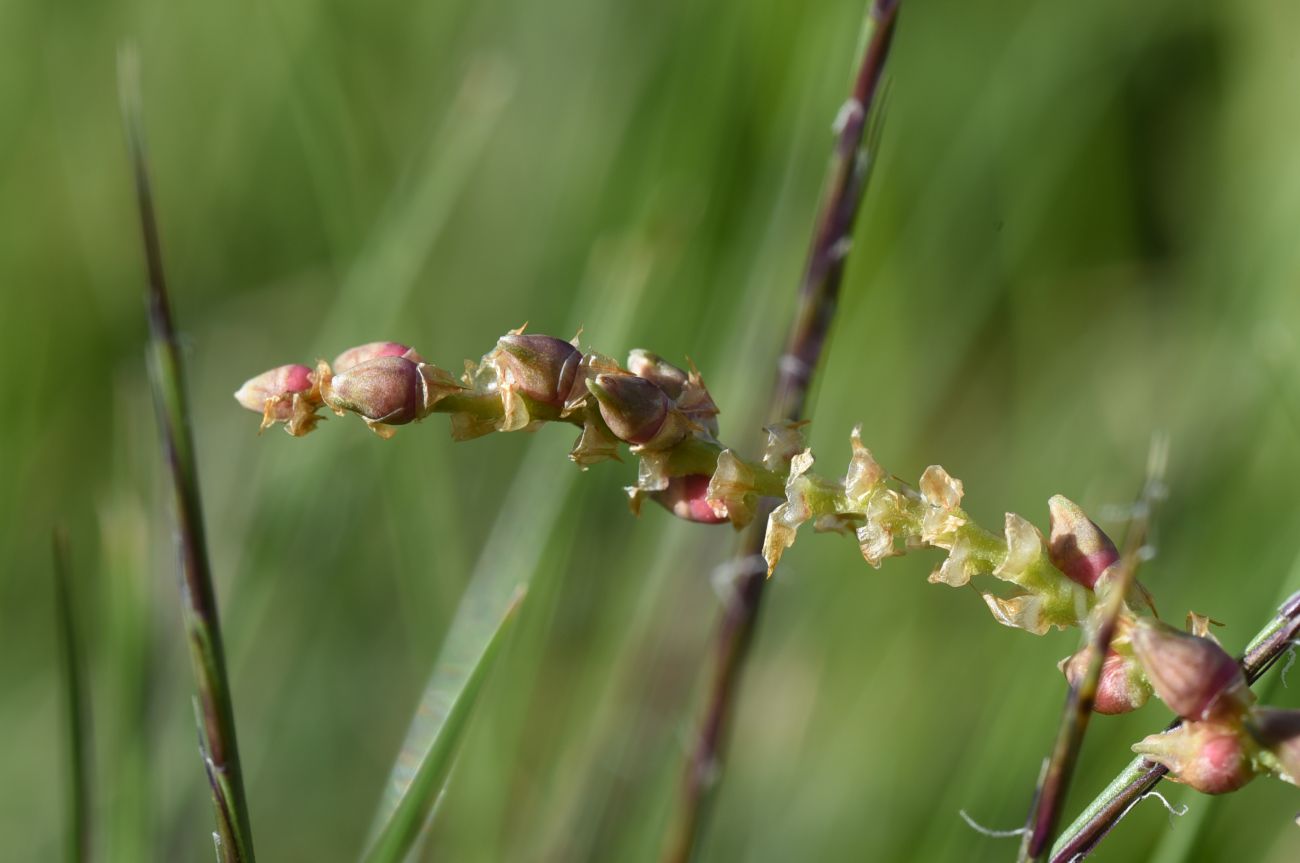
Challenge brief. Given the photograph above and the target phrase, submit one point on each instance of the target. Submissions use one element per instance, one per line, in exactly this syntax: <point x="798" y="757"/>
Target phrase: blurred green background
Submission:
<point x="1082" y="229"/>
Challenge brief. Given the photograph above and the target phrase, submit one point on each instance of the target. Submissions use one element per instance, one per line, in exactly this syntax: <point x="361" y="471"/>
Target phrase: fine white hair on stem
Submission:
<point x="1174" y="811"/>
<point x="986" y="831"/>
<point x="1290" y="661"/>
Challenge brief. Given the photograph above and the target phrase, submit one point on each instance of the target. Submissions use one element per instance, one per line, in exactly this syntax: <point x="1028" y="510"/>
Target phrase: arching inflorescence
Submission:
<point x="666" y="417"/>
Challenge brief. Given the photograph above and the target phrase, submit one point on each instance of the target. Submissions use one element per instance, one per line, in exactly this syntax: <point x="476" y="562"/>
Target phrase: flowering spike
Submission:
<point x="596" y="443"/>
<point x="942" y="518"/>
<point x="658" y="371"/>
<point x="784" y="442"/>
<point x="864" y="475"/>
<point x="1077" y="546"/>
<point x="733" y="491"/>
<point x="1212" y="757"/>
<point x="271" y="393"/>
<point x="958" y="567"/>
<point x="589" y="367"/>
<point x="1194" y="676"/>
<point x="687" y="498"/>
<point x="783" y="524"/>
<point x="543" y="368"/>
<point x="373" y="351"/>
<point x="1024" y="547"/>
<point x="635" y="410"/>
<point x="1019" y="612"/>
<point x="387" y="390"/>
<point x="1120" y="689"/>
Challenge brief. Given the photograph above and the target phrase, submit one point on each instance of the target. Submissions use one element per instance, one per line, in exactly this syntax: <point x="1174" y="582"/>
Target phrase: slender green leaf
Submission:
<point x="416" y="806"/>
<point x="77" y="706"/>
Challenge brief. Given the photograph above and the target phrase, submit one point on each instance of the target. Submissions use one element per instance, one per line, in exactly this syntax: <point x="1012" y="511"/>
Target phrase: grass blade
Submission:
<point x="77" y="847"/>
<point x="413" y="811"/>
<point x="213" y="707"/>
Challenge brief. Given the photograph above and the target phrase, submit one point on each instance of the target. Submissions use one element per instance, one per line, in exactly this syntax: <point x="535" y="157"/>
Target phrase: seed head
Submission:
<point x="687" y="498"/>
<point x="1193" y="675"/>
<point x="388" y="390"/>
<point x="1212" y="757"/>
<point x="659" y="371"/>
<point x="634" y="408"/>
<point x="271" y="393"/>
<point x="543" y="368"/>
<point x="372" y="351"/>
<point x="1121" y="687"/>
<point x="1077" y="546"/>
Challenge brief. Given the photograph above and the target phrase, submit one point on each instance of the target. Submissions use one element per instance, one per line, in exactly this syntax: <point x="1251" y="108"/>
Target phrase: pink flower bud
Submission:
<point x="634" y="408"/>
<point x="659" y="371"/>
<point x="278" y="385"/>
<point x="1121" y="687"/>
<point x="1193" y="675"/>
<point x="543" y="368"/>
<point x="1279" y="731"/>
<point x="1212" y="757"/>
<point x="687" y="498"/>
<point x="388" y="390"/>
<point x="372" y="351"/>
<point x="1077" y="546"/>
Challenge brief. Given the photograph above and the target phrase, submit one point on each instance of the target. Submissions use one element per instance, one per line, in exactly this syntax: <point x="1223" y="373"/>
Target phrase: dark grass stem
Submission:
<point x="76" y="704"/>
<point x="1102" y="815"/>
<point x="846" y="179"/>
<point x="1049" y="798"/>
<point x="215" y="713"/>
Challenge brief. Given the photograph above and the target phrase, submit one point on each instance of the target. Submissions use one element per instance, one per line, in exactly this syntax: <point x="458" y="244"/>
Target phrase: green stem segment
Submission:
<point x="845" y="182"/>
<point x="1140" y="776"/>
<point x="215" y="713"/>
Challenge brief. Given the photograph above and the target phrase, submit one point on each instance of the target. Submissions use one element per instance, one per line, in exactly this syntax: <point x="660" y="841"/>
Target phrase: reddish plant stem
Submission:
<point x="213" y="707"/>
<point x="1050" y="797"/>
<point x="845" y="182"/>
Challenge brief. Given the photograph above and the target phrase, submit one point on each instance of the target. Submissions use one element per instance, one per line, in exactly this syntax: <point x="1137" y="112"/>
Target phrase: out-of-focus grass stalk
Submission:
<point x="398" y="836"/>
<point x="1049" y="797"/>
<point x="846" y="179"/>
<point x="1101" y="815"/>
<point x="215" y="712"/>
<point x="77" y="713"/>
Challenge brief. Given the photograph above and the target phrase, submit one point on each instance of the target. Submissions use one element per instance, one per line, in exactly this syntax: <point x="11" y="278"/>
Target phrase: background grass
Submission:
<point x="1082" y="228"/>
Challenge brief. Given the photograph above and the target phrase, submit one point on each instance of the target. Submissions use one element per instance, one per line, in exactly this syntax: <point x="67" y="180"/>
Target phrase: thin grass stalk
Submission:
<point x="415" y="808"/>
<point x="1049" y="798"/>
<point x="845" y="182"/>
<point x="76" y="704"/>
<point x="213" y="708"/>
<point x="1124" y="791"/>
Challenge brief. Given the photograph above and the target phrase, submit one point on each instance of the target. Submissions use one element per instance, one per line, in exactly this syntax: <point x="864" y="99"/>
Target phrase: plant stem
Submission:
<point x="845" y="182"/>
<point x="78" y="707"/>
<point x="1100" y="817"/>
<point x="215" y="712"/>
<point x="1049" y="798"/>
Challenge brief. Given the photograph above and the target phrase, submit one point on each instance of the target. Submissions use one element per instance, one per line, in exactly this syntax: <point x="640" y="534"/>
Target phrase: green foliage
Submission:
<point x="1080" y="230"/>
